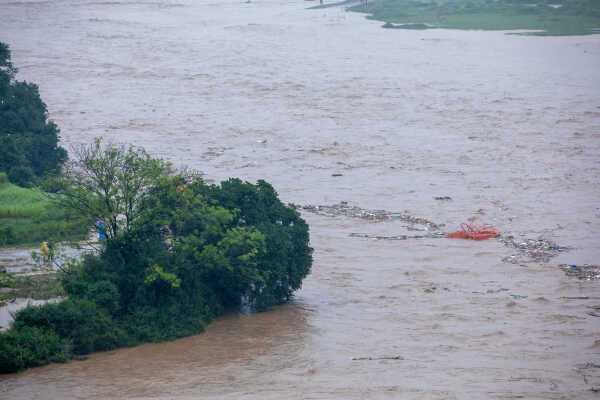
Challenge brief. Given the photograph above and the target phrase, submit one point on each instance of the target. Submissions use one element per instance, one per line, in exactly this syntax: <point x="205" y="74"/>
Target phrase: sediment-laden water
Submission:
<point x="329" y="107"/>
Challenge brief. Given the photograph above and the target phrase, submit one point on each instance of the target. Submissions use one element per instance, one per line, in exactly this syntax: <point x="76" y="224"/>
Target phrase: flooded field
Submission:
<point x="329" y="107"/>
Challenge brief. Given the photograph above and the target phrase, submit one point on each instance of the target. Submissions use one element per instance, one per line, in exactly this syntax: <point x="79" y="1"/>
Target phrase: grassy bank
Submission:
<point x="549" y="17"/>
<point x="28" y="216"/>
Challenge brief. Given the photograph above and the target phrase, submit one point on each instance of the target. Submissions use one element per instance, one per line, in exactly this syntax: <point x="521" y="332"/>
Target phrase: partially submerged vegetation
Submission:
<point x="177" y="252"/>
<point x="547" y="17"/>
<point x="37" y="287"/>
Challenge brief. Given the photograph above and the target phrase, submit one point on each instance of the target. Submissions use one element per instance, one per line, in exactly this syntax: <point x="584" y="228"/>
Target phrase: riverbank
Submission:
<point x="28" y="217"/>
<point x="544" y="18"/>
<point x="36" y="287"/>
<point x="25" y="279"/>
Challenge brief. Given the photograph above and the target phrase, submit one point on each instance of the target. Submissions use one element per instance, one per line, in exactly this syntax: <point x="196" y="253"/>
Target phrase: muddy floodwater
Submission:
<point x="329" y="107"/>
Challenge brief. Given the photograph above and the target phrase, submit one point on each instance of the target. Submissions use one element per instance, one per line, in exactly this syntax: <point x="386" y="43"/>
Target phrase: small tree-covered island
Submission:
<point x="174" y="252"/>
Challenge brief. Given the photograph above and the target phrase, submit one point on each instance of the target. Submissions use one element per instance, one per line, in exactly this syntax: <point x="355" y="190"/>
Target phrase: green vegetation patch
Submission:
<point x="30" y="216"/>
<point x="549" y="17"/>
<point x="18" y="202"/>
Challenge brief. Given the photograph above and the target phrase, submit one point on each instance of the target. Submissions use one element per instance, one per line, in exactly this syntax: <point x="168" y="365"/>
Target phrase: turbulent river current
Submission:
<point x="329" y="107"/>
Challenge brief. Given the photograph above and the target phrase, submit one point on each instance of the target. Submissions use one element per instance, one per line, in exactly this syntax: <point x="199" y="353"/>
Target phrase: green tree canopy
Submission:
<point x="108" y="183"/>
<point x="28" y="140"/>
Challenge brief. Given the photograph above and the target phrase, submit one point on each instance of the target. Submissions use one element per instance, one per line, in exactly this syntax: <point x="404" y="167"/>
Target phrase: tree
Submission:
<point x="7" y="70"/>
<point x="108" y="183"/>
<point x="28" y="140"/>
<point x="236" y="238"/>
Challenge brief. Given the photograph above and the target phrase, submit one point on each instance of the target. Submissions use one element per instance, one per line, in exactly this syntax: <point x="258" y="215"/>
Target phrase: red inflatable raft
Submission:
<point x="472" y="232"/>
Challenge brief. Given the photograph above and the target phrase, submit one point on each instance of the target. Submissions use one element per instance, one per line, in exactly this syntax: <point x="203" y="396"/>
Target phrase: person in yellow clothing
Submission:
<point x="45" y="252"/>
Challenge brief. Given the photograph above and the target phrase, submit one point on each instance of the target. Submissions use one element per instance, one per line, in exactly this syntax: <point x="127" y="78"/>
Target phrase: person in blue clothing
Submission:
<point x="101" y="230"/>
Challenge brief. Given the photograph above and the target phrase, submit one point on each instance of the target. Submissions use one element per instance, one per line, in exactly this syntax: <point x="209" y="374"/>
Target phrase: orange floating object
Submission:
<point x="467" y="231"/>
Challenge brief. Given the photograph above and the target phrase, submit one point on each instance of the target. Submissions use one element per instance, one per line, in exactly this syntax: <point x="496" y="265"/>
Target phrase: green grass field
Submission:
<point x="548" y="17"/>
<point x="28" y="216"/>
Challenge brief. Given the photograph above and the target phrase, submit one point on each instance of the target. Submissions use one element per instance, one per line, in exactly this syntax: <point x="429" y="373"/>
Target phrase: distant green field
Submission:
<point x="28" y="216"/>
<point x="549" y="17"/>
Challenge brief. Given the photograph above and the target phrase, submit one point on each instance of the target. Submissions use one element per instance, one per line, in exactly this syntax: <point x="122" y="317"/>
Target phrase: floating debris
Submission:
<point x="594" y="311"/>
<point x="528" y="250"/>
<point x="536" y="250"/>
<point x="443" y="198"/>
<point x="580" y="298"/>
<point x="377" y="358"/>
<point x="590" y="372"/>
<point x="588" y="365"/>
<point x="344" y="209"/>
<point x="585" y="272"/>
<point x="436" y="235"/>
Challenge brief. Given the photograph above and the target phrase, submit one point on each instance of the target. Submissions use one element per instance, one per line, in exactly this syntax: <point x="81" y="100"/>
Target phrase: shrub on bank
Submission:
<point x="30" y="347"/>
<point x="79" y="323"/>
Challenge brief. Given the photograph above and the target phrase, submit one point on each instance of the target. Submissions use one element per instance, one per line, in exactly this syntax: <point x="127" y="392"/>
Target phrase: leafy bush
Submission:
<point x="151" y="324"/>
<point x="6" y="278"/>
<point x="30" y="347"/>
<point x="3" y="177"/>
<point x="7" y="235"/>
<point x="21" y="175"/>
<point x="106" y="295"/>
<point x="79" y="322"/>
<point x="51" y="184"/>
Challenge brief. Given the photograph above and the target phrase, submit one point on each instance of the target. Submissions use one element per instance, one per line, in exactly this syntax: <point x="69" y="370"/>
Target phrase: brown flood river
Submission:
<point x="507" y="126"/>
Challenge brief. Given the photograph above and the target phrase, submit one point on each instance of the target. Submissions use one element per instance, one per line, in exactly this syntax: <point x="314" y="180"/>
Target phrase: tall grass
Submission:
<point x="29" y="216"/>
<point x="18" y="202"/>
